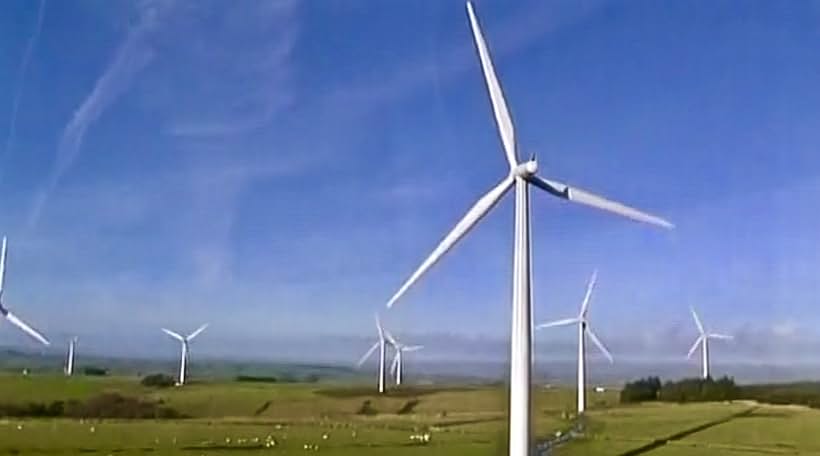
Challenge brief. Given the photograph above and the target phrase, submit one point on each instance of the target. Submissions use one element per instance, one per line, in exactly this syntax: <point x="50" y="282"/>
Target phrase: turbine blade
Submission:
<point x="198" y="331"/>
<point x="552" y="324"/>
<point x="694" y="347"/>
<point x="697" y="321"/>
<point x="720" y="336"/>
<point x="479" y="210"/>
<point x="588" y="295"/>
<point x="379" y="327"/>
<point x="412" y="348"/>
<point x="173" y="334"/>
<point x="600" y="344"/>
<point x="590" y="199"/>
<point x="367" y="354"/>
<point x="502" y="114"/>
<point x="26" y="328"/>
<point x="3" y="256"/>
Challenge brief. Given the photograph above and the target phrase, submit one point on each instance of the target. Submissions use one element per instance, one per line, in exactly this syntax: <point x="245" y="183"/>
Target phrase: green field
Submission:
<point x="259" y="418"/>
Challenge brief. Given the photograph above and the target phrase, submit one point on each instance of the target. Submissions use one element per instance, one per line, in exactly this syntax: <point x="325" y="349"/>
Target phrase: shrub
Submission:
<point x="645" y="389"/>
<point x="256" y="378"/>
<point x="95" y="371"/>
<point x="158" y="381"/>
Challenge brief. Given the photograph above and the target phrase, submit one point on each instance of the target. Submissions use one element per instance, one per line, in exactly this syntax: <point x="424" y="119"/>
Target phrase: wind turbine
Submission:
<point x="520" y="175"/>
<point x="380" y="344"/>
<point x="184" y="340"/>
<point x="584" y="330"/>
<point x="3" y="310"/>
<point x="69" y="360"/>
<point x="703" y="341"/>
<point x="398" y="362"/>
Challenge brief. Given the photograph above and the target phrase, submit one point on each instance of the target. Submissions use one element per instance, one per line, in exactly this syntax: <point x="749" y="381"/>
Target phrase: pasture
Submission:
<point x="345" y="419"/>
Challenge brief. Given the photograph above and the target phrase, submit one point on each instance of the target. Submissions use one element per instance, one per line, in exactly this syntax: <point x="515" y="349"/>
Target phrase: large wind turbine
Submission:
<point x="520" y="175"/>
<point x="69" y="360"/>
<point x="703" y="341"/>
<point x="584" y="330"/>
<point x="397" y="365"/>
<point x="3" y="310"/>
<point x="184" y="341"/>
<point x="381" y="345"/>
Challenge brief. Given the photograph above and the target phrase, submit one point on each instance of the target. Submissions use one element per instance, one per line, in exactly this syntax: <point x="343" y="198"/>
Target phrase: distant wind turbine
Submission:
<point x="519" y="175"/>
<point x="584" y="330"/>
<point x="3" y="310"/>
<point x="397" y="366"/>
<point x="69" y="360"/>
<point x="184" y="340"/>
<point x="381" y="346"/>
<point x="703" y="341"/>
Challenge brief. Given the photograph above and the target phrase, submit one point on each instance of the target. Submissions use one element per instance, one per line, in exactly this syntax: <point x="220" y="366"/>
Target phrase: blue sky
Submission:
<point x="279" y="169"/>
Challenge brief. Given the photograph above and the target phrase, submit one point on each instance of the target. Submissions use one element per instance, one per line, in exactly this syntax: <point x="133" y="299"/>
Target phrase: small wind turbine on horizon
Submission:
<point x="584" y="330"/>
<point x="69" y="360"/>
<point x="184" y="341"/>
<point x="520" y="174"/>
<point x="703" y="341"/>
<point x="10" y="317"/>
<point x="397" y="366"/>
<point x="381" y="346"/>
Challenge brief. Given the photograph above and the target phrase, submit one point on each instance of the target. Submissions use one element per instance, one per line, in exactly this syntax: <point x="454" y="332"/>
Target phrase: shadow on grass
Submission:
<point x="403" y="392"/>
<point x="655" y="444"/>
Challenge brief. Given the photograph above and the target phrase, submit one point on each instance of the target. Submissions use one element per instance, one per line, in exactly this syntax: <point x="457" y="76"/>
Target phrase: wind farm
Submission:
<point x="286" y="171"/>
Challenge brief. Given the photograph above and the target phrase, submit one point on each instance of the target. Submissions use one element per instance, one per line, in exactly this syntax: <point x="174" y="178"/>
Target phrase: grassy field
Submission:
<point x="246" y="418"/>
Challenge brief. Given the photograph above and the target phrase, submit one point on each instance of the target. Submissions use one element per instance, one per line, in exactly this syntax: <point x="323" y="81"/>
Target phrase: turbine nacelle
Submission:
<point x="526" y="169"/>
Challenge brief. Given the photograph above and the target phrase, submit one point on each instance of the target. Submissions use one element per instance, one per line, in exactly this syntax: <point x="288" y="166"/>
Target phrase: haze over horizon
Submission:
<point x="278" y="169"/>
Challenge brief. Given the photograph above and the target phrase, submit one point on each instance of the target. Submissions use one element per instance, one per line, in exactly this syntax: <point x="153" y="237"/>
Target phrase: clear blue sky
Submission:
<point x="279" y="168"/>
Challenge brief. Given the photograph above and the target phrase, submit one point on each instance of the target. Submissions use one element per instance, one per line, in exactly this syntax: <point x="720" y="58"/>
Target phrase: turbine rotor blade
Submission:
<point x="599" y="344"/>
<point x="26" y="328"/>
<point x="694" y="347"/>
<point x="173" y="334"/>
<point x="697" y="321"/>
<point x="564" y="322"/>
<point x="3" y="256"/>
<point x="367" y="354"/>
<point x="502" y="114"/>
<point x="476" y="213"/>
<point x="588" y="295"/>
<point x="412" y="348"/>
<point x="720" y="336"/>
<point x="590" y="199"/>
<point x="198" y="331"/>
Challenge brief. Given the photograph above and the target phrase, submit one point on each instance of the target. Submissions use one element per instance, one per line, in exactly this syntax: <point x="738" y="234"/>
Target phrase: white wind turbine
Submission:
<point x="397" y="366"/>
<point x="184" y="341"/>
<point x="69" y="360"/>
<point x="3" y="310"/>
<point x="380" y="344"/>
<point x="584" y="330"/>
<point x="703" y="341"/>
<point x="521" y="175"/>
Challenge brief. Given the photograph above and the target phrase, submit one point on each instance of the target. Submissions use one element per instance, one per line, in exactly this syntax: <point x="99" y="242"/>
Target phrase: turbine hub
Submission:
<point x="527" y="168"/>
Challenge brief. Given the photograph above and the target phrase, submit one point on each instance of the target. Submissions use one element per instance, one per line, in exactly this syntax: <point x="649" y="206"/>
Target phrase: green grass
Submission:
<point x="238" y="418"/>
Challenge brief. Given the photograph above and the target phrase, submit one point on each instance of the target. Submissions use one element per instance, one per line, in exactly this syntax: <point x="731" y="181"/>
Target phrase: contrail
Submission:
<point x="21" y="79"/>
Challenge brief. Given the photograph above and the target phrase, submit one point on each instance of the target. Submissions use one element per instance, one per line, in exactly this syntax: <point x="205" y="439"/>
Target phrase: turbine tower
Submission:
<point x="519" y="175"/>
<point x="184" y="341"/>
<point x="584" y="330"/>
<point x="703" y="341"/>
<point x="69" y="360"/>
<point x="381" y="345"/>
<point x="397" y="366"/>
<point x="4" y="312"/>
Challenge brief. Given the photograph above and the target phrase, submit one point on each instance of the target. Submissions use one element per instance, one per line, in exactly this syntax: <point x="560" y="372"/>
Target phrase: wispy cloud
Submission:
<point x="133" y="55"/>
<point x="21" y="81"/>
